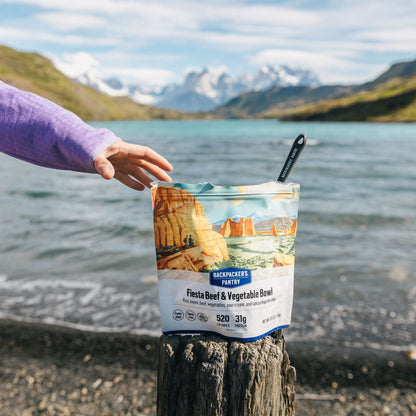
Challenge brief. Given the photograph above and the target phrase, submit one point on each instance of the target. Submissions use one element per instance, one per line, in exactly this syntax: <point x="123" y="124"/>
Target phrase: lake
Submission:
<point x="77" y="250"/>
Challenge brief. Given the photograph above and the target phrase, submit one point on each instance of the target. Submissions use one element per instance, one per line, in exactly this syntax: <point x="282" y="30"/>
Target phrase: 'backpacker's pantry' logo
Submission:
<point x="230" y="277"/>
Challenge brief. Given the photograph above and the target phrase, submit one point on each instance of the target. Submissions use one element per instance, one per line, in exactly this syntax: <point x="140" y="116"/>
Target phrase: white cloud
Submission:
<point x="73" y="5"/>
<point x="336" y="39"/>
<point x="71" y="21"/>
<point x="24" y="36"/>
<point x="401" y="39"/>
<point x="251" y="15"/>
<point x="215" y="70"/>
<point x="295" y="57"/>
<point x="146" y="77"/>
<point x="75" y="64"/>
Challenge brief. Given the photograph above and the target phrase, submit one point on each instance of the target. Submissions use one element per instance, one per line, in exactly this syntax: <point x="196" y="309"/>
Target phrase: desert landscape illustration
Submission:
<point x="186" y="240"/>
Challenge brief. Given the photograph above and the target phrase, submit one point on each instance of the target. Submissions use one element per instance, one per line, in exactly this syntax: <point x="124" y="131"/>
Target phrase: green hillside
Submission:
<point x="391" y="101"/>
<point x="37" y="74"/>
<point x="280" y="99"/>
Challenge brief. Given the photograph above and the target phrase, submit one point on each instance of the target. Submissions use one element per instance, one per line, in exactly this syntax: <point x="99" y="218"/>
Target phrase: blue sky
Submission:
<point x="155" y="42"/>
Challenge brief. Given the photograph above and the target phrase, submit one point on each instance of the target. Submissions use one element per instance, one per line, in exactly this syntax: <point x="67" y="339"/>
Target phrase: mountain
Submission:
<point x="201" y="90"/>
<point x="35" y="73"/>
<point x="279" y="223"/>
<point x="398" y="70"/>
<point x="235" y="218"/>
<point x="273" y="92"/>
<point x="204" y="89"/>
<point x="257" y="222"/>
<point x="389" y="97"/>
<point x="257" y="103"/>
<point x="256" y="216"/>
<point x="282" y="76"/>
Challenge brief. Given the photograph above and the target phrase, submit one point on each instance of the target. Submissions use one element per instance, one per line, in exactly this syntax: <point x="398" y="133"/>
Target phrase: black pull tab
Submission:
<point x="294" y="153"/>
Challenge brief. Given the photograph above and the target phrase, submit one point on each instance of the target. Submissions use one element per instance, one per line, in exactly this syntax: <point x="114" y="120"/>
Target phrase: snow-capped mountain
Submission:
<point x="282" y="76"/>
<point x="202" y="89"/>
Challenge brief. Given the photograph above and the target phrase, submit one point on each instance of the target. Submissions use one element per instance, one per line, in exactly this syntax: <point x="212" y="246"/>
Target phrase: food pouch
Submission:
<point x="225" y="257"/>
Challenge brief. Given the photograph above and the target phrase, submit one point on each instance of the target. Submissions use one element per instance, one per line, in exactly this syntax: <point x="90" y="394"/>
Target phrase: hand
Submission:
<point x="128" y="162"/>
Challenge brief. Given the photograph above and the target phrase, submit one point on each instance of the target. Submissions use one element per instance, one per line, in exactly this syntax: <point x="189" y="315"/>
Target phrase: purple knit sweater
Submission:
<point x="38" y="131"/>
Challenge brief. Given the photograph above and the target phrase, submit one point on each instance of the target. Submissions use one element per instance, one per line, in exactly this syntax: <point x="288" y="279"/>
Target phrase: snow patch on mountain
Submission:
<point x="282" y="76"/>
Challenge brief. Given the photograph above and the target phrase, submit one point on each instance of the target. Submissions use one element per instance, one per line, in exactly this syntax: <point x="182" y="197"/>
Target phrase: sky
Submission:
<point x="151" y="43"/>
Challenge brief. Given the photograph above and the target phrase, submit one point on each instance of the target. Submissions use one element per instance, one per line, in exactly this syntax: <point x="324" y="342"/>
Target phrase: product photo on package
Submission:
<point x="225" y="257"/>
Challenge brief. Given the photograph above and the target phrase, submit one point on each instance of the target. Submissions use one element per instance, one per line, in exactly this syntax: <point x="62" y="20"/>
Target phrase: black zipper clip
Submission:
<point x="292" y="157"/>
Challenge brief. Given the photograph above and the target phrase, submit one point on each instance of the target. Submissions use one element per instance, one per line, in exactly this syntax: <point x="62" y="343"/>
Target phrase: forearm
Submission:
<point x="38" y="131"/>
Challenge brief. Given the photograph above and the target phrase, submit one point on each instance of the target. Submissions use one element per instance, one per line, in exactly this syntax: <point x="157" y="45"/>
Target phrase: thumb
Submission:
<point x="104" y="167"/>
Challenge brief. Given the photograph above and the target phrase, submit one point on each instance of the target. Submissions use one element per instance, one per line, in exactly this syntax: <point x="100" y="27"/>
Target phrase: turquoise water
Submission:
<point x="77" y="250"/>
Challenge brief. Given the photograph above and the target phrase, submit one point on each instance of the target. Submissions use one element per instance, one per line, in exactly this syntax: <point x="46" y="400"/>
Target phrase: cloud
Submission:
<point x="215" y="70"/>
<point x="401" y="39"/>
<point x="147" y="77"/>
<point x="29" y="36"/>
<point x="343" y="38"/>
<point x="77" y="64"/>
<point x="295" y="57"/>
<point x="63" y="21"/>
<point x="246" y="17"/>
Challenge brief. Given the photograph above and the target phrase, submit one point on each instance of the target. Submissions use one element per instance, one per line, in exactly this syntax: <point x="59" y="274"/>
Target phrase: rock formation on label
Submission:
<point x="184" y="237"/>
<point x="246" y="227"/>
<point x="281" y="259"/>
<point x="242" y="228"/>
<point x="276" y="230"/>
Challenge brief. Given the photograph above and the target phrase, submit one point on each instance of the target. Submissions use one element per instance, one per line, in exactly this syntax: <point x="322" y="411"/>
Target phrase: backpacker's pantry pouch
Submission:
<point x="225" y="257"/>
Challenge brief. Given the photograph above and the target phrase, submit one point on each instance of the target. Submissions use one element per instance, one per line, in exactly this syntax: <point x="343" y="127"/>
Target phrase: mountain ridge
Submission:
<point x="389" y="97"/>
<point x="204" y="89"/>
<point x="393" y="100"/>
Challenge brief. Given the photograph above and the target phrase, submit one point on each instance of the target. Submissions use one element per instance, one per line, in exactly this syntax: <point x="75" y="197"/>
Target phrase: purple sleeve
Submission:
<point x="38" y="131"/>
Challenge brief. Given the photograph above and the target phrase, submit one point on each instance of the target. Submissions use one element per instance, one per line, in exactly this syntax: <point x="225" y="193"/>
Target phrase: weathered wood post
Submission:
<point x="207" y="375"/>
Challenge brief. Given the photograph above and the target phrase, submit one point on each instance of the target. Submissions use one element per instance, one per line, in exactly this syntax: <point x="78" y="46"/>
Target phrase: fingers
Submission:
<point x="154" y="170"/>
<point x="137" y="173"/>
<point x="129" y="163"/>
<point x="104" y="167"/>
<point x="136" y="167"/>
<point x="127" y="180"/>
<point x="146" y="153"/>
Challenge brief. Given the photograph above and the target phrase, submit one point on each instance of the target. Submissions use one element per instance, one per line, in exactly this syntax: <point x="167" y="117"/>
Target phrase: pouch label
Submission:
<point x="230" y="277"/>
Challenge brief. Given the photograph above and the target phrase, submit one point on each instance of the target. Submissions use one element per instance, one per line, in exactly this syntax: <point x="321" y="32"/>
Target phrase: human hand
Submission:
<point x="128" y="162"/>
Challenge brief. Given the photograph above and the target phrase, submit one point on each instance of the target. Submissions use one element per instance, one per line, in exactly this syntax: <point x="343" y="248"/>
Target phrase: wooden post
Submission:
<point x="207" y="375"/>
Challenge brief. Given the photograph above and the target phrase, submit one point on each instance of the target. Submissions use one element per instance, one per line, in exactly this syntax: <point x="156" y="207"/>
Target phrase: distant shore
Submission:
<point x="56" y="371"/>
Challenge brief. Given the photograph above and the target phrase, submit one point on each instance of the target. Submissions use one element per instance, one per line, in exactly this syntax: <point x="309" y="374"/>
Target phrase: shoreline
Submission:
<point x="48" y="369"/>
